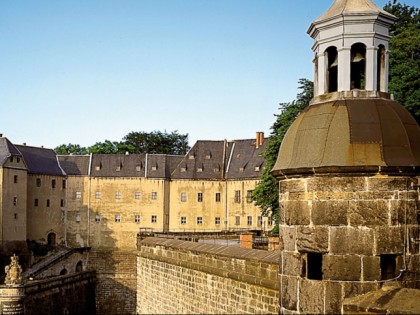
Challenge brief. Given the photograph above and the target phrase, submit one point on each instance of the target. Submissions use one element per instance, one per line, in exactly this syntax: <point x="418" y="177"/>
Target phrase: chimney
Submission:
<point x="24" y="143"/>
<point x="259" y="139"/>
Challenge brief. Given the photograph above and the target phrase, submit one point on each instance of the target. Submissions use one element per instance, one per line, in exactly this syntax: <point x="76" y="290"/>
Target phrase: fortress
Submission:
<point x="348" y="171"/>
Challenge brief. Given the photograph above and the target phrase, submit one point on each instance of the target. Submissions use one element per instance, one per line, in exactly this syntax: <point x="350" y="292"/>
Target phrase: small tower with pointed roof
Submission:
<point x="349" y="171"/>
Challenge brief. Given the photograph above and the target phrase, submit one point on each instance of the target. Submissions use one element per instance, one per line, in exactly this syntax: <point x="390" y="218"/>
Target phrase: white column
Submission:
<point x="321" y="74"/>
<point x="384" y="87"/>
<point x="315" y="64"/>
<point x="371" y="69"/>
<point x="344" y="56"/>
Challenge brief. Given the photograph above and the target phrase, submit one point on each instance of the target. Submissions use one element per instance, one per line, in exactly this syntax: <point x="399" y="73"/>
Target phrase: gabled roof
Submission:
<point x="40" y="160"/>
<point x="246" y="161"/>
<point x="118" y="165"/>
<point x="7" y="149"/>
<point x="74" y="164"/>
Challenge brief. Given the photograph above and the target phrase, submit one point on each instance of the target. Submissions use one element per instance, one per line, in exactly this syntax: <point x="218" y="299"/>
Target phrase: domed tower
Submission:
<point x="348" y="168"/>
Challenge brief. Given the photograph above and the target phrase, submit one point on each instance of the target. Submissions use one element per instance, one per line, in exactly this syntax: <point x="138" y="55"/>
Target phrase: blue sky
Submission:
<point x="83" y="71"/>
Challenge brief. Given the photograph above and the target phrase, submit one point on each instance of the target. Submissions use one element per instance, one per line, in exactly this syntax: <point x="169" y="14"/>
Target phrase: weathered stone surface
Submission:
<point x="288" y="237"/>
<point x="337" y="184"/>
<point x="333" y="297"/>
<point x="355" y="240"/>
<point x="332" y="212"/>
<point x="371" y="266"/>
<point x="389" y="183"/>
<point x="403" y="212"/>
<point x="389" y="240"/>
<point x="292" y="185"/>
<point x="311" y="297"/>
<point x="351" y="289"/>
<point x="344" y="267"/>
<point x="288" y="292"/>
<point x="291" y="263"/>
<point x="296" y="212"/>
<point x="312" y="239"/>
<point x="414" y="239"/>
<point x="369" y="212"/>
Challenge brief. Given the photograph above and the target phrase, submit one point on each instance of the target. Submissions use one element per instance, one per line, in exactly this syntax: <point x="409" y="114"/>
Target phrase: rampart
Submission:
<point x="178" y="277"/>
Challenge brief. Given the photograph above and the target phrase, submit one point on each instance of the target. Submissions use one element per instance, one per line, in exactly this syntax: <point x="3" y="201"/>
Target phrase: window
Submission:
<point x="200" y="197"/>
<point x="217" y="197"/>
<point x="97" y="218"/>
<point x="138" y="168"/>
<point x="48" y="202"/>
<point x="16" y="216"/>
<point x="358" y="66"/>
<point x="98" y="195"/>
<point x="237" y="220"/>
<point x="38" y="182"/>
<point x="118" y="195"/>
<point x="137" y="218"/>
<point x="53" y="183"/>
<point x="137" y="195"/>
<point x="97" y="167"/>
<point x="63" y="183"/>
<point x="78" y="195"/>
<point x="118" y="168"/>
<point x="18" y="159"/>
<point x="249" y="220"/>
<point x="154" y="195"/>
<point x="313" y="266"/>
<point x="249" y="196"/>
<point x="270" y="221"/>
<point x="118" y="218"/>
<point x="259" y="220"/>
<point x="11" y="159"/>
<point x="237" y="196"/>
<point x="154" y="168"/>
<point x="36" y="202"/>
<point x="388" y="267"/>
<point x="332" y="69"/>
<point x="183" y="197"/>
<point x="62" y="203"/>
<point x="183" y="220"/>
<point x="15" y="201"/>
<point x="199" y="220"/>
<point x="78" y="218"/>
<point x="154" y="218"/>
<point x="15" y="179"/>
<point x="217" y="220"/>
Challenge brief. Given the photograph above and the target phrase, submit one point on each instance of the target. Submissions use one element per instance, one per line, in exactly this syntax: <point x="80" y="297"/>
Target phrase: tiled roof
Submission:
<point x="246" y="160"/>
<point x="74" y="164"/>
<point x="7" y="149"/>
<point x="118" y="165"/>
<point x="40" y="160"/>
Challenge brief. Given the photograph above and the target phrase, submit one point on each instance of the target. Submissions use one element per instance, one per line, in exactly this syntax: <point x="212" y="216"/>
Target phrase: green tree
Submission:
<point x="404" y="58"/>
<point x="158" y="142"/>
<point x="266" y="193"/>
<point x="111" y="147"/>
<point x="66" y="149"/>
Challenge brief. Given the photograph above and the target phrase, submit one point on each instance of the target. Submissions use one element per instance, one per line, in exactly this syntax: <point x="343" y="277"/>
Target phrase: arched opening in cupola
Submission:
<point x="358" y="66"/>
<point x="381" y="68"/>
<point x="332" y="69"/>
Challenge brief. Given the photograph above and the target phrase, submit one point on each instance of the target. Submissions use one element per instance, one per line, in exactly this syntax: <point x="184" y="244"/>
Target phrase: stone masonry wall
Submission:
<point x="345" y="236"/>
<point x="177" y="277"/>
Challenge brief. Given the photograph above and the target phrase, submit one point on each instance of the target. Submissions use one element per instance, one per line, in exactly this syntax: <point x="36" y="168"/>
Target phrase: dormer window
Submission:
<point x="192" y="156"/>
<point x="208" y="155"/>
<point x="138" y="167"/>
<point x="257" y="168"/>
<point x="98" y="167"/>
<point x="154" y="167"/>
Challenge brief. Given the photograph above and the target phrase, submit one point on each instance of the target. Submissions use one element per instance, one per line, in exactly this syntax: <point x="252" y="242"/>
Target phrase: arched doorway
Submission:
<point x="52" y="239"/>
<point x="79" y="267"/>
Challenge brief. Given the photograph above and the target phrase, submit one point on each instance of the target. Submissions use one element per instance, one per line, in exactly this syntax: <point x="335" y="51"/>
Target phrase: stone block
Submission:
<point x="389" y="183"/>
<point x="389" y="240"/>
<point x="296" y="212"/>
<point x="413" y="239"/>
<point x="288" y="292"/>
<point x="331" y="212"/>
<point x="336" y="184"/>
<point x="351" y="289"/>
<point x="403" y="212"/>
<point x="291" y="263"/>
<point x="288" y="237"/>
<point x="311" y="297"/>
<point x="351" y="240"/>
<point x="292" y="185"/>
<point x="333" y="293"/>
<point x="371" y="266"/>
<point x="343" y="267"/>
<point x="312" y="239"/>
<point x="369" y="212"/>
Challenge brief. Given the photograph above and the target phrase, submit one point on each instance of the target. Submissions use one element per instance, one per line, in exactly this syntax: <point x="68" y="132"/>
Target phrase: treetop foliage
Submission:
<point x="156" y="142"/>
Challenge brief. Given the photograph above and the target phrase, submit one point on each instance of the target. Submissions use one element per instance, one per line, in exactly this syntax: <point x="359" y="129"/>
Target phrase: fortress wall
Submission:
<point x="176" y="277"/>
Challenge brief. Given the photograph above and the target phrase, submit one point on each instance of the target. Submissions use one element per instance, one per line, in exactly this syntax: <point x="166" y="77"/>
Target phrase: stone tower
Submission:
<point x="349" y="168"/>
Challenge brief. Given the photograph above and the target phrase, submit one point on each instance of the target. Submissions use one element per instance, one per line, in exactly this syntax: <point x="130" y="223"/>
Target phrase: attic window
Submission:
<point x="98" y="167"/>
<point x="191" y="156"/>
<point x="257" y="168"/>
<point x="238" y="155"/>
<point x="208" y="155"/>
<point x="241" y="169"/>
<point x="200" y="169"/>
<point x="119" y="167"/>
<point x="154" y="168"/>
<point x="138" y="167"/>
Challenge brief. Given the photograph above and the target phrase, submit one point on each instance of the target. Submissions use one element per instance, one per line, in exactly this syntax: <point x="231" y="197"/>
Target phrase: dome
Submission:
<point x="350" y="134"/>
